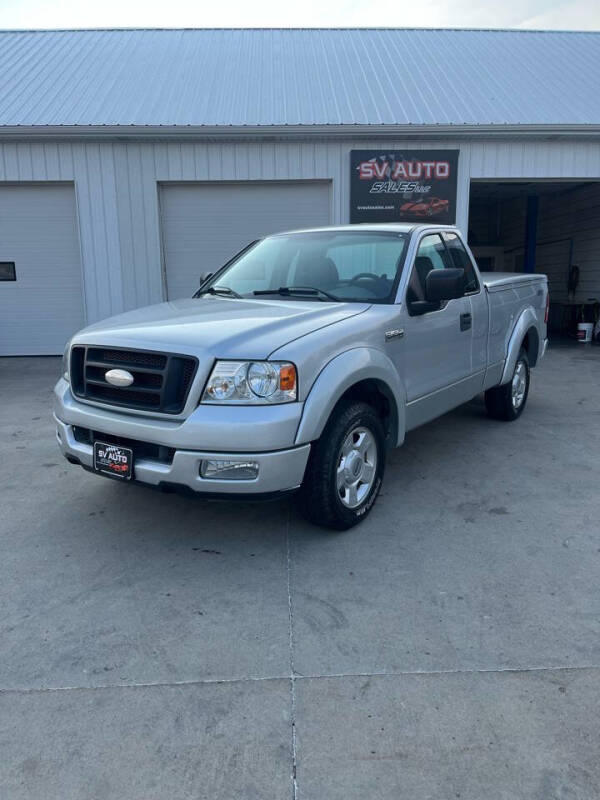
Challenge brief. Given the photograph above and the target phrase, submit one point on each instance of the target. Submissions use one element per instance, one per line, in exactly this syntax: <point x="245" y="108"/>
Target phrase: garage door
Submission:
<point x="41" y="297"/>
<point x="204" y="225"/>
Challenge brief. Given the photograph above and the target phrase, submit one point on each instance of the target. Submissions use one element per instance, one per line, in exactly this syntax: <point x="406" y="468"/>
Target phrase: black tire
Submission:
<point x="499" y="400"/>
<point x="320" y="500"/>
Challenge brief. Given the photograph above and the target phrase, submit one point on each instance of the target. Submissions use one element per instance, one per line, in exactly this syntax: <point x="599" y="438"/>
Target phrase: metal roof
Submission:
<point x="299" y="77"/>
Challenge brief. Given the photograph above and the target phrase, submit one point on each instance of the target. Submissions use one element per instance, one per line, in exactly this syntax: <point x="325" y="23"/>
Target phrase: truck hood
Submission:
<point x="216" y="326"/>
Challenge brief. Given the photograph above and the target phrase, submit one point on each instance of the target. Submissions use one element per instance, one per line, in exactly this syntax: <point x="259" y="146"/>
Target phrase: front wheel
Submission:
<point x="345" y="469"/>
<point x="508" y="401"/>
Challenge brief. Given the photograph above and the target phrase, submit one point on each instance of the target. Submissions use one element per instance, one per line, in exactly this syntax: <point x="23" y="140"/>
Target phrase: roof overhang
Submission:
<point x="290" y="132"/>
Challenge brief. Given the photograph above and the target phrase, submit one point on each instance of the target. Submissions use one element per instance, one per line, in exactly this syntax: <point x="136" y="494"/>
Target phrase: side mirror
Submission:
<point x="204" y="276"/>
<point x="444" y="284"/>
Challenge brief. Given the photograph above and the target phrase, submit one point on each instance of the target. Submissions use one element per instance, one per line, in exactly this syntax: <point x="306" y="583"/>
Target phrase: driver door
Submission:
<point x="437" y="344"/>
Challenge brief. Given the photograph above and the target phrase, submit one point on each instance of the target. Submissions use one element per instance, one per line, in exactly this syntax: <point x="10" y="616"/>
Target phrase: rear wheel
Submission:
<point x="345" y="469"/>
<point x="508" y="401"/>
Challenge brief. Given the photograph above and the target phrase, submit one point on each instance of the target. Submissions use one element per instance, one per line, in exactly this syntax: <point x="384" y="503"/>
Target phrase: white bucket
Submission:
<point x="584" y="331"/>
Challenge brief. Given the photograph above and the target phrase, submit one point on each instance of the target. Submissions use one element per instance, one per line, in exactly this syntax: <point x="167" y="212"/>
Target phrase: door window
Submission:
<point x="431" y="254"/>
<point x="460" y="259"/>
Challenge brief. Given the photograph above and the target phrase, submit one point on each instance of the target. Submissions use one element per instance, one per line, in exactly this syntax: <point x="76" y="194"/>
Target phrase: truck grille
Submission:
<point x="161" y="381"/>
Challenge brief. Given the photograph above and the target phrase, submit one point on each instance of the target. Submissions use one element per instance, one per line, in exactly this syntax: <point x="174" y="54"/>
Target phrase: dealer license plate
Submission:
<point x="110" y="459"/>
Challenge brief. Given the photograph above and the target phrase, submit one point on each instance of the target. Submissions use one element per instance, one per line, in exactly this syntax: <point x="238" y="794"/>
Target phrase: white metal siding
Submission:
<point x="204" y="225"/>
<point x="116" y="185"/>
<point x="44" y="306"/>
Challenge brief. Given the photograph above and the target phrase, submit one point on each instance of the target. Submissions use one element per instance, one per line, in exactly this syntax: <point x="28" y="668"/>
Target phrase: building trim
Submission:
<point x="287" y="132"/>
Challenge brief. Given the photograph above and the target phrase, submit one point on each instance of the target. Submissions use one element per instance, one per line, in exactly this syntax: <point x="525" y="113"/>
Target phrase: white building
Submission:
<point x="133" y="160"/>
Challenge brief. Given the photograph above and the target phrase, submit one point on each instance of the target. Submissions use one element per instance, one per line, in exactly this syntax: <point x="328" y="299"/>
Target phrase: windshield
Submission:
<point x="359" y="266"/>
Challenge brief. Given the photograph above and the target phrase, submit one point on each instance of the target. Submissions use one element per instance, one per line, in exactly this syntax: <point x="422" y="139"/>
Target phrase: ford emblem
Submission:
<point x="119" y="377"/>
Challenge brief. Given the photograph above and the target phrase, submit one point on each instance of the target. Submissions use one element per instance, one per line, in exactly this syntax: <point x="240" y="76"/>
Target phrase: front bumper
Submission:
<point x="230" y="429"/>
<point x="278" y="471"/>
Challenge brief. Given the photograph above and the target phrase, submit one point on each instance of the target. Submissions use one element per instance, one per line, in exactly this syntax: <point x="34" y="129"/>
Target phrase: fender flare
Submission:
<point x="526" y="321"/>
<point x="343" y="372"/>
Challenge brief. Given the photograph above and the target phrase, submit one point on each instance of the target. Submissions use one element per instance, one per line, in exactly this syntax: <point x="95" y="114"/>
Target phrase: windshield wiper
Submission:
<point x="225" y="291"/>
<point x="300" y="291"/>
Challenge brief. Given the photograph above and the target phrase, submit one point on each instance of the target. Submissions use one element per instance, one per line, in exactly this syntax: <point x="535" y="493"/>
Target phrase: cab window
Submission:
<point x="460" y="258"/>
<point x="431" y="254"/>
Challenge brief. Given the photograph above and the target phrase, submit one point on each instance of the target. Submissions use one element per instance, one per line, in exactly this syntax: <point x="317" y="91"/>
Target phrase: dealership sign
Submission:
<point x="403" y="186"/>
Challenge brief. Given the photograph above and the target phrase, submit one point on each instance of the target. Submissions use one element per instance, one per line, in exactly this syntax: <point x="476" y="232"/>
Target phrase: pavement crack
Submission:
<point x="293" y="678"/>
<point x="143" y="685"/>
<point x="434" y="672"/>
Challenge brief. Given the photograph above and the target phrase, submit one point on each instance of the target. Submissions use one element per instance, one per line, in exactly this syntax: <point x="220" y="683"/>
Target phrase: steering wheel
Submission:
<point x="368" y="276"/>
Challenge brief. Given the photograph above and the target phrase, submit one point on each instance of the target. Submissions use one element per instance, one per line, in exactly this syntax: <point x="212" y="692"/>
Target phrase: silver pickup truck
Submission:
<point x="298" y="364"/>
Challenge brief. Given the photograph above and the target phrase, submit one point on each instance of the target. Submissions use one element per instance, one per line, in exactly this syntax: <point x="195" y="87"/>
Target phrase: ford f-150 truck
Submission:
<point x="298" y="364"/>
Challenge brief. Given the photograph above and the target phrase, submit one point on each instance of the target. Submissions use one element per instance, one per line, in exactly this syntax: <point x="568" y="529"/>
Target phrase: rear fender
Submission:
<point x="339" y="375"/>
<point x="526" y="321"/>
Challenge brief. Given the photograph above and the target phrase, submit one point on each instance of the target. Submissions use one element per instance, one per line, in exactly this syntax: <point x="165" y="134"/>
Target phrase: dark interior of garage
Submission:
<point x="543" y="226"/>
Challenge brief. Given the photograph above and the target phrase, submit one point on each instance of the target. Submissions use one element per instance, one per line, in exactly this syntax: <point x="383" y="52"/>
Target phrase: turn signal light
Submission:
<point x="287" y="378"/>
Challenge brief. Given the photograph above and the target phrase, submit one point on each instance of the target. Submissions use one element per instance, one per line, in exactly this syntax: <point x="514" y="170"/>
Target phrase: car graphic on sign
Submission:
<point x="430" y="207"/>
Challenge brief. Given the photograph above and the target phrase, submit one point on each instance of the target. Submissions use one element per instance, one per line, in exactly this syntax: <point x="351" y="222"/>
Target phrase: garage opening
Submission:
<point x="205" y="224"/>
<point x="543" y="226"/>
<point x="41" y="286"/>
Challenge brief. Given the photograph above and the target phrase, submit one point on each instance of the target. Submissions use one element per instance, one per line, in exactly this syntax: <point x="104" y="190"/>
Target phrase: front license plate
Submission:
<point x="111" y="459"/>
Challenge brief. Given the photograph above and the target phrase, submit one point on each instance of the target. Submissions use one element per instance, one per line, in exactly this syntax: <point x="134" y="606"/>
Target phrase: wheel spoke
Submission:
<point x="340" y="477"/>
<point x="352" y="495"/>
<point x="368" y="472"/>
<point x="348" y="445"/>
<point x="364" y="443"/>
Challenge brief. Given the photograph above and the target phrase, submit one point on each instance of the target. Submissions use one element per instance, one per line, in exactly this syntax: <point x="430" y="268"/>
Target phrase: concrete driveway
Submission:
<point x="154" y="647"/>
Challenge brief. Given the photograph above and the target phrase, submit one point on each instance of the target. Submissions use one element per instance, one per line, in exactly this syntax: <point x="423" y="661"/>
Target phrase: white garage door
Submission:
<point x="43" y="306"/>
<point x="204" y="225"/>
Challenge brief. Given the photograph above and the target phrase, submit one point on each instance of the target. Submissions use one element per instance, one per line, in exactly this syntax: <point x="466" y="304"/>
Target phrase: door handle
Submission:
<point x="465" y="321"/>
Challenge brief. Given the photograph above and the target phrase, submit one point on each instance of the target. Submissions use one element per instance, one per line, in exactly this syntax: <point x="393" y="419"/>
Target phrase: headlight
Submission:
<point x="65" y="362"/>
<point x="251" y="383"/>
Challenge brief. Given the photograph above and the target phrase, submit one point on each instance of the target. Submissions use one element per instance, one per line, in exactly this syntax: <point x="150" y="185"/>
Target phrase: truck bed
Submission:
<point x="509" y="294"/>
<point x="496" y="281"/>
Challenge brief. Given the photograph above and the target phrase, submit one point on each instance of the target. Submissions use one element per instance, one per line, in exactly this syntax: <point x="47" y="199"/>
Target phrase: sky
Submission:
<point x="537" y="14"/>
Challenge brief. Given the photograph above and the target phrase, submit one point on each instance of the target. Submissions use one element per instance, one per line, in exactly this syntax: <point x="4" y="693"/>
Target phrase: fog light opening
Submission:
<point x="227" y="470"/>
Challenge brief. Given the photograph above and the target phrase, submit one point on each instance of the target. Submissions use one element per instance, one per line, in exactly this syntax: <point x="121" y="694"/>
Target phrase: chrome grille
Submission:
<point x="161" y="381"/>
